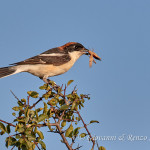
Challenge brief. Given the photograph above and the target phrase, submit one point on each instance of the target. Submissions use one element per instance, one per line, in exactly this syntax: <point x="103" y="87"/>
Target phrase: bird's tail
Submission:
<point x="6" y="71"/>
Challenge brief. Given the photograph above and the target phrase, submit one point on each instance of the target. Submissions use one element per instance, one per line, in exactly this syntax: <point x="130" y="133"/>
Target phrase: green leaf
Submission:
<point x="2" y="132"/>
<point x="39" y="109"/>
<point x="59" y="90"/>
<point x="28" y="145"/>
<point x="20" y="103"/>
<point x="73" y="105"/>
<point x="52" y="102"/>
<point x="64" y="107"/>
<point x="36" y="114"/>
<point x="40" y="134"/>
<point x="45" y="108"/>
<point x="44" y="87"/>
<point x="43" y="146"/>
<point x="33" y="94"/>
<point x="69" y="96"/>
<point x="14" y="114"/>
<point x="69" y="82"/>
<point x="42" y="117"/>
<point x="94" y="121"/>
<point x="21" y="129"/>
<point x="102" y="148"/>
<point x="8" y="128"/>
<point x="23" y="100"/>
<point x="69" y="131"/>
<point x="2" y="127"/>
<point x="76" y="131"/>
<point x="17" y="136"/>
<point x="27" y="111"/>
<point x="10" y="141"/>
<point x="63" y="123"/>
<point x="78" y="118"/>
<point x="82" y="135"/>
<point x="52" y="83"/>
<point x="31" y="137"/>
<point x="16" y="108"/>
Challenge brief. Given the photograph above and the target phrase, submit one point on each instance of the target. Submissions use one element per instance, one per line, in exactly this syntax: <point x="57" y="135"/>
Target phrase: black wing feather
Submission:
<point x="55" y="60"/>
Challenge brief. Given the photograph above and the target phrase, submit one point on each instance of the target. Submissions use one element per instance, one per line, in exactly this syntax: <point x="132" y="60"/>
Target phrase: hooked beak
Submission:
<point x="85" y="51"/>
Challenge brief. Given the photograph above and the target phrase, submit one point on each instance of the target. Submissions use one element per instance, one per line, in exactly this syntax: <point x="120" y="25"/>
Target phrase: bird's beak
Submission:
<point x="85" y="51"/>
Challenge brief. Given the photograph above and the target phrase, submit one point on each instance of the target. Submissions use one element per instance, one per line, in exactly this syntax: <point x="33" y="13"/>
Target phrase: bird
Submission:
<point x="52" y="62"/>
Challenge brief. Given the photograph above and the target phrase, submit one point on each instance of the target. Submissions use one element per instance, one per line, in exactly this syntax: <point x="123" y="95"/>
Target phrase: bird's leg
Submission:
<point x="45" y="79"/>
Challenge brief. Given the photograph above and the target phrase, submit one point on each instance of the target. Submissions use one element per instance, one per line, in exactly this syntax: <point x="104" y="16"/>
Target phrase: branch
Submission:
<point x="28" y="99"/>
<point x="55" y="87"/>
<point x="36" y="145"/>
<point x="64" y="96"/>
<point x="46" y="124"/>
<point x="14" y="95"/>
<point x="36" y="103"/>
<point x="64" y="138"/>
<point x="7" y="123"/>
<point x="78" y="148"/>
<point x="86" y="129"/>
<point x="13" y="147"/>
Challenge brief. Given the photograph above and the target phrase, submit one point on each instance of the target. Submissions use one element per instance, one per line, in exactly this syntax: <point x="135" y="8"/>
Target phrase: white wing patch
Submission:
<point x="52" y="54"/>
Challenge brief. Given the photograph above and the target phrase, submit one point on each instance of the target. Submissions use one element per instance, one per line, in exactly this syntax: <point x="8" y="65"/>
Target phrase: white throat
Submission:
<point x="75" y="55"/>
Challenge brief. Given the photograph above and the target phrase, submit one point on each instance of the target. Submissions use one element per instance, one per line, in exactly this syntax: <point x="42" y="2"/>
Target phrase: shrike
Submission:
<point x="52" y="62"/>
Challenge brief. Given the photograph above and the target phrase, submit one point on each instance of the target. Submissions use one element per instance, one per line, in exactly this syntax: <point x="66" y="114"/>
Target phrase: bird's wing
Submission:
<point x="46" y="59"/>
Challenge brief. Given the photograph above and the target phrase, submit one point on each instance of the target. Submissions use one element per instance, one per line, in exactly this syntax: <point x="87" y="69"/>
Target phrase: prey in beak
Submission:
<point x="92" y="56"/>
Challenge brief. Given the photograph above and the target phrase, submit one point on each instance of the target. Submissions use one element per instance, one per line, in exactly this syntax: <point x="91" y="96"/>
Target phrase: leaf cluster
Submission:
<point x="59" y="113"/>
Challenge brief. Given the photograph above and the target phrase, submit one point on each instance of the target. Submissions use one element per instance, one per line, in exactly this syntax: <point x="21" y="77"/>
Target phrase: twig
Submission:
<point x="14" y="95"/>
<point x="64" y="96"/>
<point x="73" y="141"/>
<point x="28" y="99"/>
<point x="36" y="145"/>
<point x="97" y="144"/>
<point x="69" y="120"/>
<point x="55" y="87"/>
<point x="77" y="147"/>
<point x="60" y="118"/>
<point x="7" y="123"/>
<point x="86" y="129"/>
<point x="13" y="147"/>
<point x="46" y="124"/>
<point x="36" y="103"/>
<point x="57" y="132"/>
<point x="64" y="138"/>
<point x="15" y="134"/>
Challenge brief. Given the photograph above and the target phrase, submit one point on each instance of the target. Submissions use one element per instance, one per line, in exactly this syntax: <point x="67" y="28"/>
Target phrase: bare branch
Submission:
<point x="46" y="124"/>
<point x="36" y="145"/>
<point x="85" y="126"/>
<point x="7" y="123"/>
<point x="28" y="99"/>
<point x="13" y="147"/>
<point x="14" y="95"/>
<point x="64" y="138"/>
<point x="36" y="103"/>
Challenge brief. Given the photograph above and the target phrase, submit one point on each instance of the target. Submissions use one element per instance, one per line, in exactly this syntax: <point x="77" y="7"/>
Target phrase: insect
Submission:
<point x="92" y="56"/>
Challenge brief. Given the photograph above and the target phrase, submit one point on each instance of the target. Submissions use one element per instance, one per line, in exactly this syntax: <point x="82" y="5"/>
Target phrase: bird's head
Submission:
<point x="74" y="47"/>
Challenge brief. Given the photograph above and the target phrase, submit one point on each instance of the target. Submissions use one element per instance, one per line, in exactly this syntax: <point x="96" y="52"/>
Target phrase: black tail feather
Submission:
<point x="6" y="71"/>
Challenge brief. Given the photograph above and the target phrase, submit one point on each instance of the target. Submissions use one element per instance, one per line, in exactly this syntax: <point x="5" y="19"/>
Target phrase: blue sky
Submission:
<point x="118" y="31"/>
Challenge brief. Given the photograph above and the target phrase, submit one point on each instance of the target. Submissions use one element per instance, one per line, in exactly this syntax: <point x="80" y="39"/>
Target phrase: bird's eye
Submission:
<point x="78" y="46"/>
